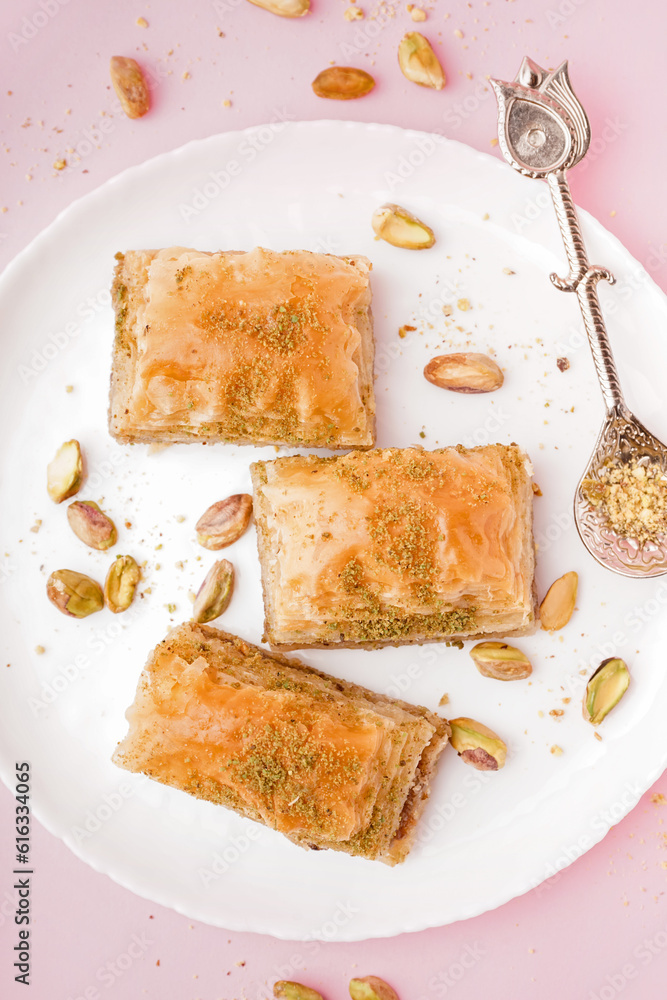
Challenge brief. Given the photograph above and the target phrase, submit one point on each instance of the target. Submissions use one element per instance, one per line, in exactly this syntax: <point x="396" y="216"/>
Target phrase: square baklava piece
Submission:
<point x="325" y="762"/>
<point x="396" y="546"/>
<point x="253" y="348"/>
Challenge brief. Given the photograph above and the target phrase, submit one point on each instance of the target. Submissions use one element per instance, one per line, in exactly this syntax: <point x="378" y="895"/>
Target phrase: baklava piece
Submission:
<point x="325" y="762"/>
<point x="396" y="546"/>
<point x="252" y="348"/>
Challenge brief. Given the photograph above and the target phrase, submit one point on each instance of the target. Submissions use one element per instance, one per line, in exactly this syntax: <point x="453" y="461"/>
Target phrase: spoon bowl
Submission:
<point x="622" y="440"/>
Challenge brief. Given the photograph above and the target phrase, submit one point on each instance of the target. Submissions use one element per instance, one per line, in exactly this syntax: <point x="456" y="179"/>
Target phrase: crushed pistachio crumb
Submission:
<point x="633" y="498"/>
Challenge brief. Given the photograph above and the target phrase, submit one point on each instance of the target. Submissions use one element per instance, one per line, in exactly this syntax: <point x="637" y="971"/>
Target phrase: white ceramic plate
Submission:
<point x="484" y="838"/>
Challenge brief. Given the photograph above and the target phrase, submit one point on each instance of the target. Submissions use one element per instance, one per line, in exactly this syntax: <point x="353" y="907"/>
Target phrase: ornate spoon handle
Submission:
<point x="543" y="130"/>
<point x="583" y="279"/>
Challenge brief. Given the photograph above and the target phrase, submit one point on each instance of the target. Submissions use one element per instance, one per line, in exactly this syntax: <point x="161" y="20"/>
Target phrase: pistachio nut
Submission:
<point x="294" y="991"/>
<point x="557" y="607"/>
<point x="75" y="594"/>
<point x="121" y="584"/>
<point x="343" y="83"/>
<point x="371" y="988"/>
<point x="503" y="662"/>
<point x="477" y="745"/>
<point x="64" y="472"/>
<point x="401" y="228"/>
<point x="284" y="8"/>
<point x="605" y="689"/>
<point x="419" y="62"/>
<point x="91" y="524"/>
<point x="224" y="521"/>
<point x="464" y="372"/>
<point x="130" y="86"/>
<point x="215" y="592"/>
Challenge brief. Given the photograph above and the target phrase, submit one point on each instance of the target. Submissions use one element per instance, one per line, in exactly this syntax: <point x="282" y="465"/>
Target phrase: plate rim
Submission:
<point x="593" y="225"/>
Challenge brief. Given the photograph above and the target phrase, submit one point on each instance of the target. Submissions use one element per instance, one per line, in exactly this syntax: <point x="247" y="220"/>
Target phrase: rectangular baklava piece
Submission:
<point x="396" y="546"/>
<point x="325" y="762"/>
<point x="253" y="348"/>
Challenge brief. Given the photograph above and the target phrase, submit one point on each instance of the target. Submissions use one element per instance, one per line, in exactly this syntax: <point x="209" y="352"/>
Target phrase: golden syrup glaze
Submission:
<point x="424" y="534"/>
<point x="304" y="765"/>
<point x="262" y="343"/>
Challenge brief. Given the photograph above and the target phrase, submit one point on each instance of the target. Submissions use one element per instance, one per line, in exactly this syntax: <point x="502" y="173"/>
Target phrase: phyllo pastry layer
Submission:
<point x="256" y="348"/>
<point x="325" y="762"/>
<point x="395" y="546"/>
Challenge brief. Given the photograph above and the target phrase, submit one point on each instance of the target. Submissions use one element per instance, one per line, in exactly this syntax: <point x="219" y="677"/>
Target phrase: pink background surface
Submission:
<point x="596" y="930"/>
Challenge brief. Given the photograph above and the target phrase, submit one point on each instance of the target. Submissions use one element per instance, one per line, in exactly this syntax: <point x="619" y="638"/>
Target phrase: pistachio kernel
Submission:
<point x="288" y="990"/>
<point x="215" y="593"/>
<point x="121" y="584"/>
<point x="371" y="988"/>
<point x="464" y="372"/>
<point x="477" y="745"/>
<point x="343" y="83"/>
<point x="284" y="8"/>
<point x="398" y="226"/>
<point x="557" y="607"/>
<point x="500" y="661"/>
<point x="75" y="594"/>
<point x="91" y="524"/>
<point x="130" y="86"/>
<point x="64" y="472"/>
<point x="418" y="61"/>
<point x="604" y="690"/>
<point x="224" y="522"/>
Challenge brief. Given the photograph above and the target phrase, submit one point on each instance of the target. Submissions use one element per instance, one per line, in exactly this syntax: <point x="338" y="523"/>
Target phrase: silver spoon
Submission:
<point x="543" y="131"/>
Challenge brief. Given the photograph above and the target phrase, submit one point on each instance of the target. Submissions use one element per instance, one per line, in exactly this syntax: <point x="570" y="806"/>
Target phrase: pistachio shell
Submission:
<point x="343" y="83"/>
<point x="371" y="988"/>
<point x="477" y="745"/>
<point x="130" y="86"/>
<point x="224" y="521"/>
<point x="64" y="472"/>
<point x="284" y="8"/>
<point x="500" y="661"/>
<point x="464" y="372"/>
<point x="121" y="584"/>
<point x="398" y="226"/>
<point x="215" y="593"/>
<point x="419" y="62"/>
<point x="75" y="594"/>
<point x="294" y="991"/>
<point x="557" y="607"/>
<point x="605" y="689"/>
<point x="91" y="524"/>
